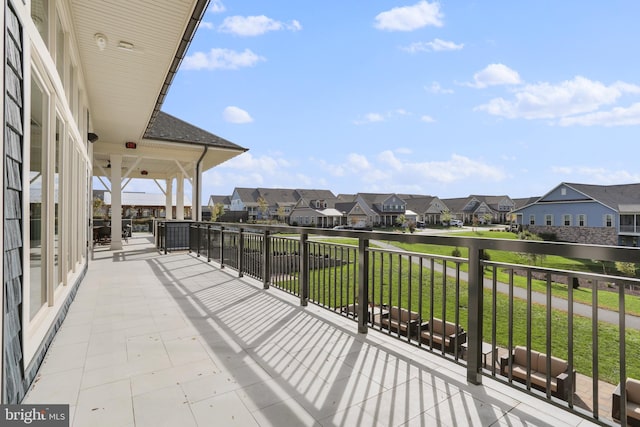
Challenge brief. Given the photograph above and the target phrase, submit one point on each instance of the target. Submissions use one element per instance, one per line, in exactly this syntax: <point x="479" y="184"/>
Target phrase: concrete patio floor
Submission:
<point x="171" y="340"/>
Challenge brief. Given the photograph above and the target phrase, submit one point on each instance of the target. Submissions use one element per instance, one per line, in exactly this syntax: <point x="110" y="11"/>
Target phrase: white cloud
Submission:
<point x="436" y="45"/>
<point x="370" y="118"/>
<point x="409" y="18"/>
<point x="436" y="88"/>
<point x="381" y="117"/>
<point x="455" y="169"/>
<point x="216" y="6"/>
<point x="571" y="97"/>
<point x="207" y="25"/>
<point x="249" y="26"/>
<point x="600" y="176"/>
<point x="236" y="115"/>
<point x="357" y="162"/>
<point x="494" y="75"/>
<point x="427" y="119"/>
<point x="619" y="116"/>
<point x="221" y="59"/>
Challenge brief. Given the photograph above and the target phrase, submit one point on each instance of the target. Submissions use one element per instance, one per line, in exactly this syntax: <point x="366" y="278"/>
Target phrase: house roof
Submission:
<point x="169" y="128"/>
<point x="225" y="200"/>
<point x="613" y="196"/>
<point x="525" y="201"/>
<point x="419" y="204"/>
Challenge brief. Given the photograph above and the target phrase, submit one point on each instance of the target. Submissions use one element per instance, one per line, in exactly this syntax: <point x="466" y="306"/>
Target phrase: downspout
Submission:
<point x="198" y="185"/>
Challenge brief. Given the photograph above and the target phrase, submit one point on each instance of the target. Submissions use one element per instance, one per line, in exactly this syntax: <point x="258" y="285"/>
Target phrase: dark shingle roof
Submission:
<point x="610" y="195"/>
<point x="168" y="128"/>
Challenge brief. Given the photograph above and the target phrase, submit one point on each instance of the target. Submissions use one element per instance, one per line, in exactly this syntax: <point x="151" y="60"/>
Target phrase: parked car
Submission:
<point x="455" y="223"/>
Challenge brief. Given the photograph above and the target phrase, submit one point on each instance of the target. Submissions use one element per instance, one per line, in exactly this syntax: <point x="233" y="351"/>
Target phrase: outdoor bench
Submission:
<point x="442" y="334"/>
<point x="633" y="402"/>
<point x="560" y="380"/>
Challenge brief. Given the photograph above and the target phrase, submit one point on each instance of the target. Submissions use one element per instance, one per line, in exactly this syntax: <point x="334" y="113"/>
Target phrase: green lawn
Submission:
<point x="607" y="300"/>
<point x="390" y="284"/>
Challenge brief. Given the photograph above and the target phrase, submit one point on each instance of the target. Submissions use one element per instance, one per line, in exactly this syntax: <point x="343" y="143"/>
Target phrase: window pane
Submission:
<point x="57" y="271"/>
<point x="40" y="17"/>
<point x="37" y="285"/>
<point x="60" y="49"/>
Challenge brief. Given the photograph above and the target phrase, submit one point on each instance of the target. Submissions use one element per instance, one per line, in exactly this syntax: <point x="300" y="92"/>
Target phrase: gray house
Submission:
<point x="480" y="206"/>
<point x="584" y="213"/>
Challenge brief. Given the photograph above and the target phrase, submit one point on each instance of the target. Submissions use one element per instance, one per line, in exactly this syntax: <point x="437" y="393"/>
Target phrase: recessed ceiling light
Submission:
<point x="125" y="45"/>
<point x="101" y="40"/>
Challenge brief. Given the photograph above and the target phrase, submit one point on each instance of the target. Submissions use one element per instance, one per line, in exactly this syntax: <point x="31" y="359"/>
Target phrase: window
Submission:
<point x="548" y="219"/>
<point x="582" y="220"/>
<point x="532" y="219"/>
<point x="608" y="220"/>
<point x="563" y="191"/>
<point x="37" y="209"/>
<point x="40" y="17"/>
<point x="60" y="48"/>
<point x="566" y="220"/>
<point x="57" y="180"/>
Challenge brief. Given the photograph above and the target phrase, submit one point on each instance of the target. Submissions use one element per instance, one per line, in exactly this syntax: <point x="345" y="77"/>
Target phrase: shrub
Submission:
<point x="456" y="253"/>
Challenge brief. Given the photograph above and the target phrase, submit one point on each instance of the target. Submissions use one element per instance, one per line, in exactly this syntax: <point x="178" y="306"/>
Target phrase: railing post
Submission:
<point x="266" y="260"/>
<point x="240" y="253"/>
<point x="164" y="238"/>
<point x="221" y="247"/>
<point x="476" y="299"/>
<point x="208" y="242"/>
<point x="304" y="269"/>
<point x="363" y="286"/>
<point x="198" y="240"/>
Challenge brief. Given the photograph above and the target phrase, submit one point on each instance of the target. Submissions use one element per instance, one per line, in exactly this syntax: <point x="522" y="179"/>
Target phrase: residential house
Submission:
<point x="428" y="209"/>
<point x="83" y="86"/>
<point x="480" y="208"/>
<point x="384" y="209"/>
<point x="316" y="208"/>
<point x="586" y="213"/>
<point x="276" y="203"/>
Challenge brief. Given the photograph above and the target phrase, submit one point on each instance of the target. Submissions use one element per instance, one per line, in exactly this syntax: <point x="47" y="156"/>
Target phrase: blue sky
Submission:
<point x="445" y="98"/>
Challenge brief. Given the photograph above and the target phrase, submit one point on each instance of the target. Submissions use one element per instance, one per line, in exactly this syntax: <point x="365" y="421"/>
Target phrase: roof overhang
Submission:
<point x="129" y="53"/>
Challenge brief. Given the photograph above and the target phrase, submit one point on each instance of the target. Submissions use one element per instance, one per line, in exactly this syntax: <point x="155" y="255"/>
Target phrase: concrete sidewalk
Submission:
<point x="579" y="309"/>
<point x="170" y="340"/>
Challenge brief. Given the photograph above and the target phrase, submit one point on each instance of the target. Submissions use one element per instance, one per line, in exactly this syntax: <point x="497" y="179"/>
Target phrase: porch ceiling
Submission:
<point x="127" y="79"/>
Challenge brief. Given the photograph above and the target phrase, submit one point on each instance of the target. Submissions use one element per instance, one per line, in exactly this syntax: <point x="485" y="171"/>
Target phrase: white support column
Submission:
<point x="180" y="197"/>
<point x="196" y="192"/>
<point x="116" y="201"/>
<point x="169" y="199"/>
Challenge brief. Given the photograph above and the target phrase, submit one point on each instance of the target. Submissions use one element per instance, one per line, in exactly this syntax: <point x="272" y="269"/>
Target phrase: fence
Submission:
<point x="499" y="319"/>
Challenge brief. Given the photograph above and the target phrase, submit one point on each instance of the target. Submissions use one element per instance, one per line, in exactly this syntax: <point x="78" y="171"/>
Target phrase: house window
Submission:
<point x="548" y="219"/>
<point x="608" y="220"/>
<point x="566" y="219"/>
<point x="582" y="220"/>
<point x="563" y="191"/>
<point x="532" y="219"/>
<point x="37" y="211"/>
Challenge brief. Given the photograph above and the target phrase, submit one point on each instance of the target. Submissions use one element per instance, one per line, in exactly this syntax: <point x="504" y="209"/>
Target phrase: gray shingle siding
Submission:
<point x="13" y="385"/>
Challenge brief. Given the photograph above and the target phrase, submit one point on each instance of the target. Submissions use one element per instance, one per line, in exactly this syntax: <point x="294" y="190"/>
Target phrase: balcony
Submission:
<point x="191" y="338"/>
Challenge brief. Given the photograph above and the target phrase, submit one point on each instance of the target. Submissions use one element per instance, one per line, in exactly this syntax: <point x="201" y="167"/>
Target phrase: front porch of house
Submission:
<point x="157" y="340"/>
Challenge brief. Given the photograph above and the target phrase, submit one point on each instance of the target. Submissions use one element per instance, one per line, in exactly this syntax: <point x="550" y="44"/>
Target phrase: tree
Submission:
<point x="445" y="217"/>
<point x="531" y="257"/>
<point x="626" y="268"/>
<point x="98" y="204"/>
<point x="280" y="213"/>
<point x="400" y="220"/>
<point x="217" y="210"/>
<point x="263" y="208"/>
<point x="487" y="218"/>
